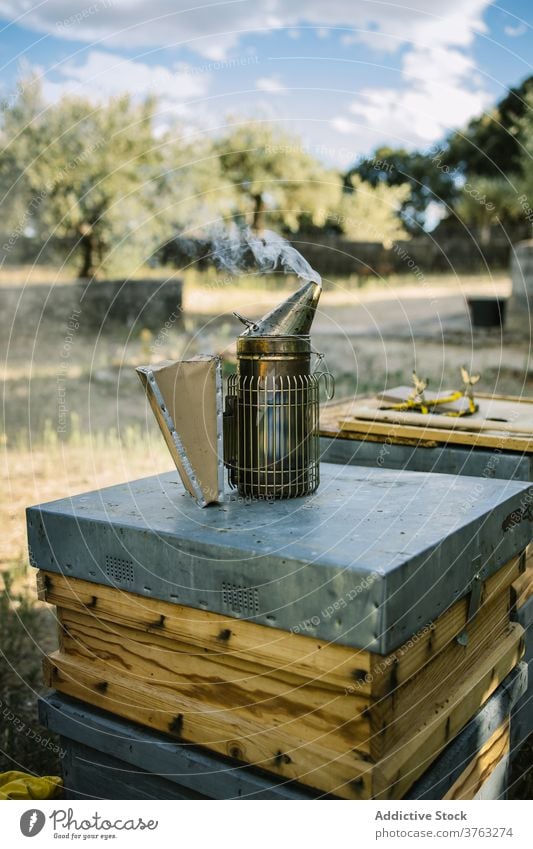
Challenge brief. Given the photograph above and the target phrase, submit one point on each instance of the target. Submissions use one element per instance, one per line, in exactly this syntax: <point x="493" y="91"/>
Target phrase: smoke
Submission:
<point x="241" y="251"/>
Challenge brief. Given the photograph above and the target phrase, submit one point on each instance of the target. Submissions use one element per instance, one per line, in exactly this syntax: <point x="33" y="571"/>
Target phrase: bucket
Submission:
<point x="487" y="312"/>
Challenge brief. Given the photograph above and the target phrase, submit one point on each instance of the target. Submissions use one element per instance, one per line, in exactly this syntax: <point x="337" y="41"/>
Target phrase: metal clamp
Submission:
<point x="474" y="604"/>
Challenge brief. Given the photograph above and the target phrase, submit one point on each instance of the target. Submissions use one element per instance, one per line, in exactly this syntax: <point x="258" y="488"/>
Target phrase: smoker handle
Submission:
<point x="329" y="383"/>
<point x="329" y="380"/>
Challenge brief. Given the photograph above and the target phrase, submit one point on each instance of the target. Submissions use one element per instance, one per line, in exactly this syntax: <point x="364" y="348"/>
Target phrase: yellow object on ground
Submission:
<point x="20" y="785"/>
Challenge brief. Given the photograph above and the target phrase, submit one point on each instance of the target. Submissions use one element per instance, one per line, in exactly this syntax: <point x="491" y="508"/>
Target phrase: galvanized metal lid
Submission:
<point x="366" y="561"/>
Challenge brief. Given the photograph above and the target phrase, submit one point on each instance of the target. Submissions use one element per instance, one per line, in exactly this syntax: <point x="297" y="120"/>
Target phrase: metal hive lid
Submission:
<point x="365" y="562"/>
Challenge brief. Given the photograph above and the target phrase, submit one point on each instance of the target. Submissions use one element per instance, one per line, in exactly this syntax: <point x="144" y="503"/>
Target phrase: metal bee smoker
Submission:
<point x="271" y="444"/>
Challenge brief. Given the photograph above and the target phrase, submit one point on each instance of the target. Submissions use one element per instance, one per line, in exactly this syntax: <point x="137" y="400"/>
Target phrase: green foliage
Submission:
<point x="426" y="183"/>
<point x="273" y="178"/>
<point x="370" y="213"/>
<point x="488" y="146"/>
<point x="484" y="201"/>
<point x="524" y="138"/>
<point x="98" y="177"/>
<point x="91" y="173"/>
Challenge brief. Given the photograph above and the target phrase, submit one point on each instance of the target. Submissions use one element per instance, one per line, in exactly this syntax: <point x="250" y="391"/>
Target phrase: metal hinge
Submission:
<point x="476" y="586"/>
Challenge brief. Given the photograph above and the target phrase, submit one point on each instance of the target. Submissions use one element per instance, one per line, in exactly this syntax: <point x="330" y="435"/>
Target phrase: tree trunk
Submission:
<point x="88" y="246"/>
<point x="484" y="236"/>
<point x="258" y="221"/>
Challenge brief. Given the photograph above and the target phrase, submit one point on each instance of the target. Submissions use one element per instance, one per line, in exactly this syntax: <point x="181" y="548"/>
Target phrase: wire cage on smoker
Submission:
<point x="272" y="444"/>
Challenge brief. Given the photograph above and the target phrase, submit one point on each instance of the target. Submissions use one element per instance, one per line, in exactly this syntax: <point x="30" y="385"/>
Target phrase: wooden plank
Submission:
<point x="392" y="717"/>
<point x="275" y="748"/>
<point x="369" y="726"/>
<point x="482" y="440"/>
<point x="523" y="585"/>
<point x="154" y="660"/>
<point x="330" y="664"/>
<point x="470" y="424"/>
<point x="482" y="766"/>
<point x="400" y="768"/>
<point x="227" y="732"/>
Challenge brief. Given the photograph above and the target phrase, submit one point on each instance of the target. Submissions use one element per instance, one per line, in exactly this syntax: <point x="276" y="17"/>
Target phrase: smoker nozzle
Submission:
<point x="293" y="317"/>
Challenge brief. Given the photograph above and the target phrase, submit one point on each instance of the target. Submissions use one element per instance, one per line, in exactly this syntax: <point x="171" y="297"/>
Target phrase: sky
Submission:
<point x="344" y="75"/>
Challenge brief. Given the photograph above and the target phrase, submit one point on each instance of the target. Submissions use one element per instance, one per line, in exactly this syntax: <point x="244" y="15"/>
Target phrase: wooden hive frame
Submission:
<point x="337" y="420"/>
<point x="344" y="721"/>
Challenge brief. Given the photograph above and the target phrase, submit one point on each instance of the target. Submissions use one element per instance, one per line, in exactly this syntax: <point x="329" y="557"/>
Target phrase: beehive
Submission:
<point x="184" y="623"/>
<point x="507" y="455"/>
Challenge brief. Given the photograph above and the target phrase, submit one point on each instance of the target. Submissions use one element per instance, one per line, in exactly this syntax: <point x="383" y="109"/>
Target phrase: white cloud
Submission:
<point x="102" y="75"/>
<point x="272" y="85"/>
<point x="434" y="97"/>
<point x="438" y="87"/>
<point x="105" y="74"/>
<point x="214" y="28"/>
<point x="515" y="31"/>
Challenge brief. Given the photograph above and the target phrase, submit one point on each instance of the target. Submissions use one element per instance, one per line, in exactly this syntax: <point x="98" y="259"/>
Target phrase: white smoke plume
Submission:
<point x="240" y="251"/>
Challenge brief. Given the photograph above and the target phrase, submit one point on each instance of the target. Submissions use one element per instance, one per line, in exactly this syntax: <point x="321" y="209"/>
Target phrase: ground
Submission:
<point x="372" y="338"/>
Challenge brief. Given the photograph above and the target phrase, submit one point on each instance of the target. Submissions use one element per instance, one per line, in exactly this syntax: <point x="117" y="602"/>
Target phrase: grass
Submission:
<point x="26" y="633"/>
<point x="43" y="469"/>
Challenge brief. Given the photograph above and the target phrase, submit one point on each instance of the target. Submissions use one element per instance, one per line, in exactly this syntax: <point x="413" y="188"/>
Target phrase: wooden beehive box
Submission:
<point x="340" y="640"/>
<point x="344" y="721"/>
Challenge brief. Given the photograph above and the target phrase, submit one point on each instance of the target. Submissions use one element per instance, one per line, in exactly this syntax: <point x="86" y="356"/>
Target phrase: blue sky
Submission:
<point x="345" y="75"/>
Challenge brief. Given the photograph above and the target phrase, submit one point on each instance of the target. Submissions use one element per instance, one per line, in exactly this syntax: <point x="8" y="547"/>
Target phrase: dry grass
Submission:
<point x="53" y="469"/>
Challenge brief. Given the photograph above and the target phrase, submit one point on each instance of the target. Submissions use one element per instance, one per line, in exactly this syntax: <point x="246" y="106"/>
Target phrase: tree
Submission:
<point x="489" y="146"/>
<point x="427" y="184"/>
<point x="370" y="213"/>
<point x="484" y="202"/>
<point x="91" y="173"/>
<point x="274" y="178"/>
<point x="524" y="136"/>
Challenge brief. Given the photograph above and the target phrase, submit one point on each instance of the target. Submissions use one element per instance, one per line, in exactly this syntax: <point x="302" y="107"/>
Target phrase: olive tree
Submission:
<point x="90" y="173"/>
<point x="274" y="178"/>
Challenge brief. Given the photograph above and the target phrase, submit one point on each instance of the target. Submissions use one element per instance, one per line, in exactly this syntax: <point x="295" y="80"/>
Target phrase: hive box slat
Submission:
<point x="339" y="739"/>
<point x="331" y="664"/>
<point x="371" y="722"/>
<point x="227" y="733"/>
<point x="346" y="776"/>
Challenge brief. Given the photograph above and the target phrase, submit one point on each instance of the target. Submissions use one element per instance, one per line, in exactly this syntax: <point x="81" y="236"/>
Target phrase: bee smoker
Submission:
<point x="271" y="447"/>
